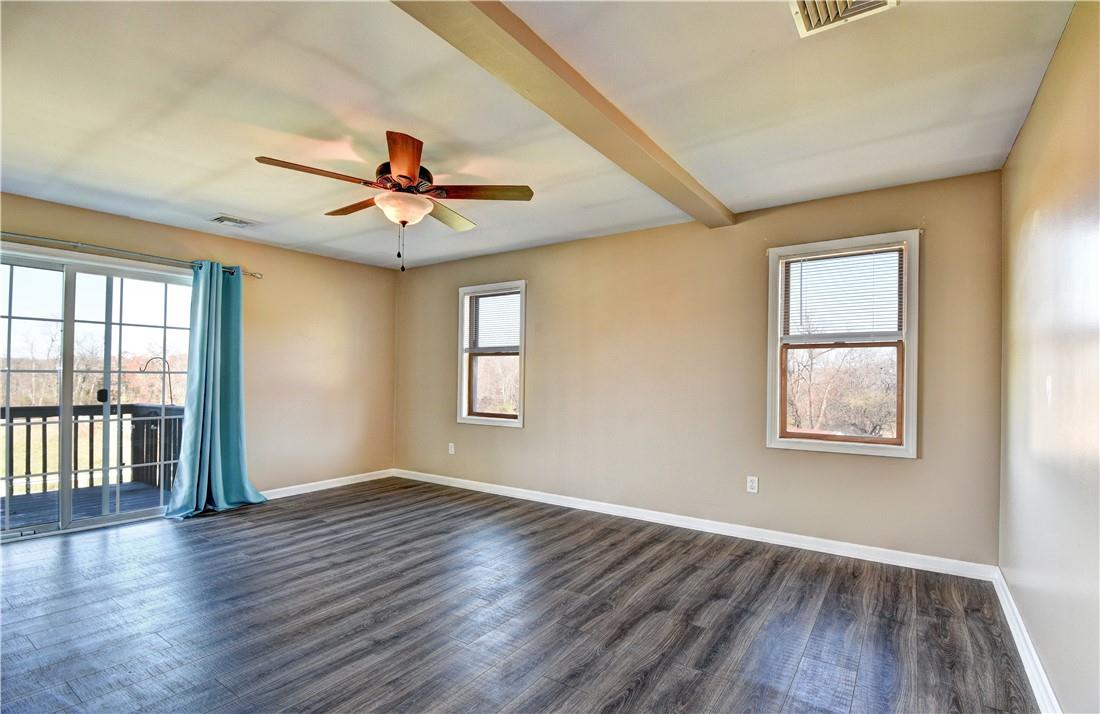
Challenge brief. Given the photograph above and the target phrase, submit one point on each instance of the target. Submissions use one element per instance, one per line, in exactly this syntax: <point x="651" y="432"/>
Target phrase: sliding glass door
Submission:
<point x="95" y="371"/>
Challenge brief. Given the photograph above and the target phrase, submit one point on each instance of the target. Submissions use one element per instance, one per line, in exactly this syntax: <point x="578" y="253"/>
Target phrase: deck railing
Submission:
<point x="146" y="454"/>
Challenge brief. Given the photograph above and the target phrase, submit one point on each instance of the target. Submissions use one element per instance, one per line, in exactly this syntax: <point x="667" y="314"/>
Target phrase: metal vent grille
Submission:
<point x="232" y="221"/>
<point x="812" y="16"/>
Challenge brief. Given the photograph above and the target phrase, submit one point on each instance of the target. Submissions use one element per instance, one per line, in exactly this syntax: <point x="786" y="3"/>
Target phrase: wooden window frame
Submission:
<point x="899" y="427"/>
<point x="777" y="436"/>
<point x="471" y="381"/>
<point x="467" y="355"/>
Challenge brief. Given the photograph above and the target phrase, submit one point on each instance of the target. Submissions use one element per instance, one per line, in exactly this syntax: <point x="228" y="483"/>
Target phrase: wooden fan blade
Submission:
<point x="404" y="156"/>
<point x="311" y="170"/>
<point x="452" y="219"/>
<point x="352" y="208"/>
<point x="488" y="193"/>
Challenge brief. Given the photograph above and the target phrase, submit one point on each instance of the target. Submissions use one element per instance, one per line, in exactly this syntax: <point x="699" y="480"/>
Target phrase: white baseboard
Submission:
<point x="327" y="483"/>
<point x="1040" y="685"/>
<point x="822" y="545"/>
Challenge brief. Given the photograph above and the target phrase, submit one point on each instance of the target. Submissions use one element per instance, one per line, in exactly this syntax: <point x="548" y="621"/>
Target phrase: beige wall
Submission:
<point x="318" y="337"/>
<point x="645" y="375"/>
<point x="1050" y="489"/>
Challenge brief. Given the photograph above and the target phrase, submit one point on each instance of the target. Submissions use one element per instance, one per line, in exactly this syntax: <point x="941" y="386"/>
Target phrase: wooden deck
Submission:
<point x="398" y="596"/>
<point x="35" y="508"/>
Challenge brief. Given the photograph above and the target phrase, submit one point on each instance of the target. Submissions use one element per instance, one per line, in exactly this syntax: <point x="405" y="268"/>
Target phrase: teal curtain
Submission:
<point x="212" y="474"/>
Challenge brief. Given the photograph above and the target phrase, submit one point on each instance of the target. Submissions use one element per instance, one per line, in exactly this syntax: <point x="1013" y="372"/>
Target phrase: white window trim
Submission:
<point x="911" y="239"/>
<point x="97" y="264"/>
<point x="463" y="294"/>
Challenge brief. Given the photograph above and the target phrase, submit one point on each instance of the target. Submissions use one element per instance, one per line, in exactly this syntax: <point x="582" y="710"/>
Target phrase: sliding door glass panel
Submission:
<point x="147" y="363"/>
<point x="177" y="339"/>
<point x="32" y="306"/>
<point x="94" y="478"/>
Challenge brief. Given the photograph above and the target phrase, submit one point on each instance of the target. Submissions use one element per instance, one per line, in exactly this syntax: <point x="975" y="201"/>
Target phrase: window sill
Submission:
<point x="490" y="421"/>
<point x="844" y="447"/>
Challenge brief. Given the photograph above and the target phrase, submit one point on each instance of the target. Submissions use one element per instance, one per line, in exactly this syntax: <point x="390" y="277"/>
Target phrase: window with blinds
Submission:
<point x="839" y="295"/>
<point x="841" y="339"/>
<point x="491" y="355"/>
<point x="494" y="322"/>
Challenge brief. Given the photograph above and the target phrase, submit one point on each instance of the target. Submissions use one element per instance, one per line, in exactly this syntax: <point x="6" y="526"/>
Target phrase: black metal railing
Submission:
<point x="155" y="433"/>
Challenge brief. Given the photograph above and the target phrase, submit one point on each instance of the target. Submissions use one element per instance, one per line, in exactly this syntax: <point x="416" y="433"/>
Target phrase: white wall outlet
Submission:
<point x="752" y="484"/>
<point x="451" y="448"/>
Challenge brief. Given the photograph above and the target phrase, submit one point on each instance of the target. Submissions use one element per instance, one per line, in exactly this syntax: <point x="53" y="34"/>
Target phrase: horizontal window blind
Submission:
<point x="848" y="294"/>
<point x="495" y="321"/>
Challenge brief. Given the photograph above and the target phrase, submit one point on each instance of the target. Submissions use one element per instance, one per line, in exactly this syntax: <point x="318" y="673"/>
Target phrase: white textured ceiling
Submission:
<point x="156" y="110"/>
<point x="763" y="118"/>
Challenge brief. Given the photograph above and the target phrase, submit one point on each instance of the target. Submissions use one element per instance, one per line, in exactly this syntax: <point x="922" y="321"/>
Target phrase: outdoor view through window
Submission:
<point x="842" y="350"/>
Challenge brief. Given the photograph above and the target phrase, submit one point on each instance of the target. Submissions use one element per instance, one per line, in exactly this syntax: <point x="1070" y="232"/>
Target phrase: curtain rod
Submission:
<point x="119" y="252"/>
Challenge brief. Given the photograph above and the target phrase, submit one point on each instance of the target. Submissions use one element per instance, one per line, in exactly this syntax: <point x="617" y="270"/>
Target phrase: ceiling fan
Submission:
<point x="408" y="193"/>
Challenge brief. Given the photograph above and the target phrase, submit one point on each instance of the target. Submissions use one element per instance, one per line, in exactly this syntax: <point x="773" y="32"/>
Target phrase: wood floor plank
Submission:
<point x="41" y="671"/>
<point x="45" y="701"/>
<point x="771" y="661"/>
<point x="886" y="680"/>
<point x="393" y="596"/>
<point x="546" y="695"/>
<point x="820" y="687"/>
<point x="999" y="670"/>
<point x="637" y="668"/>
<point x="855" y="595"/>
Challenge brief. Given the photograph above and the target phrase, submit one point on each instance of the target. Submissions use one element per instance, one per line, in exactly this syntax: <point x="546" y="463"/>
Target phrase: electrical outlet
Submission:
<point x="451" y="448"/>
<point x="752" y="484"/>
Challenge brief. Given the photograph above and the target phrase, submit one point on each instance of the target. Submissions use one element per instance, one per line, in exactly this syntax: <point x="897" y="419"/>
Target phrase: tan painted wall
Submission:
<point x="1050" y="488"/>
<point x="318" y="337"/>
<point x="645" y="375"/>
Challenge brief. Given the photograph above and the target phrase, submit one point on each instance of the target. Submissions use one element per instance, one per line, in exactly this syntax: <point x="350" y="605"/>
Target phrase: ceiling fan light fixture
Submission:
<point x="406" y="185"/>
<point x="403" y="208"/>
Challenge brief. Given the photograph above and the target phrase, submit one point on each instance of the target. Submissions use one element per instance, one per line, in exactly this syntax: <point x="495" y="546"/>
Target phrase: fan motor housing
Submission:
<point x="426" y="178"/>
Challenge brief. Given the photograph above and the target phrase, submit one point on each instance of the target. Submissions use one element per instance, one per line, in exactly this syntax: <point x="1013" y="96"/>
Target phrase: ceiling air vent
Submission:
<point x="232" y="221"/>
<point x="813" y="16"/>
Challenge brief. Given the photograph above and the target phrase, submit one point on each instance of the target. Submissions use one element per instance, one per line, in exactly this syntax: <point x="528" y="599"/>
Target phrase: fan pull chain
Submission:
<point x="401" y="244"/>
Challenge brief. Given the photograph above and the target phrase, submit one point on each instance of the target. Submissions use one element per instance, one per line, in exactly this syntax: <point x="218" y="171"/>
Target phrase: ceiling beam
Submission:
<point x="494" y="37"/>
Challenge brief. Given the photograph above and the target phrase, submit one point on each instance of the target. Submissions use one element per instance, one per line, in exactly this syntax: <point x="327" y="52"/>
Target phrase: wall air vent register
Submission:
<point x="813" y="16"/>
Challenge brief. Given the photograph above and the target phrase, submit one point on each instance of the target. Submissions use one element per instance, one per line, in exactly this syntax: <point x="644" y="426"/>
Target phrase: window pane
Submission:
<point x="5" y="285"/>
<point x="116" y="299"/>
<point x="35" y="344"/>
<point x="33" y="389"/>
<point x="86" y="386"/>
<point x="88" y="434"/>
<point x="36" y="293"/>
<point x="498" y="318"/>
<point x="142" y="389"/>
<point x="176" y="351"/>
<point x="179" y="305"/>
<point x="495" y="384"/>
<point x="91" y="297"/>
<point x="843" y="294"/>
<point x="39" y="507"/>
<point x="142" y="348"/>
<point x="142" y="302"/>
<point x="177" y="389"/>
<point x="842" y="391"/>
<point x="88" y="345"/>
<point x="44" y="452"/>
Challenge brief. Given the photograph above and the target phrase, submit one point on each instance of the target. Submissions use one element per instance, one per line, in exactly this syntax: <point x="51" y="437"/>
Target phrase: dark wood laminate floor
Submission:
<point x="394" y="596"/>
